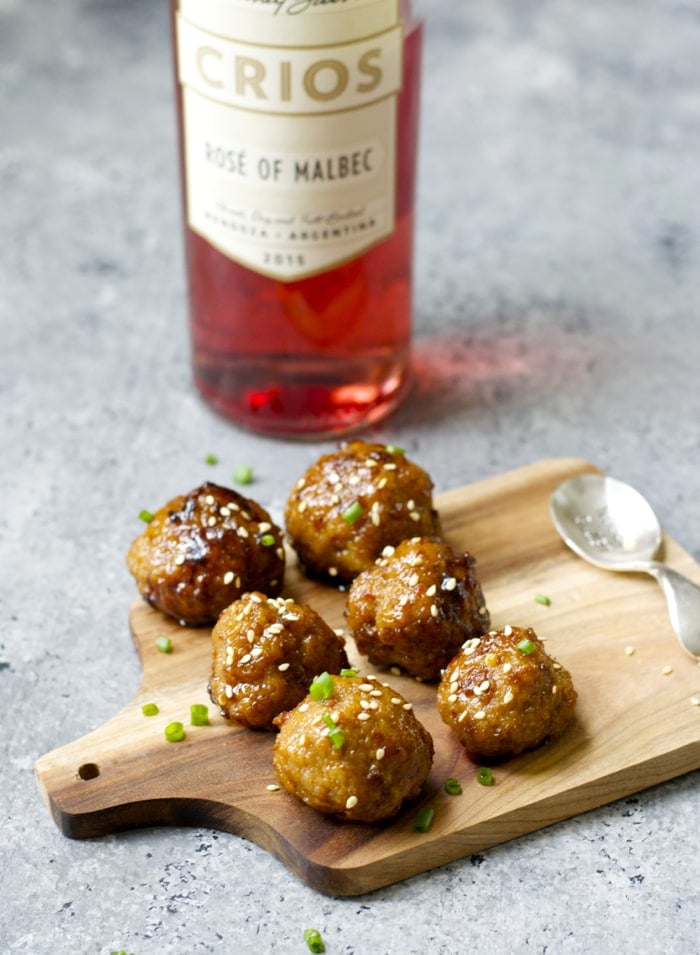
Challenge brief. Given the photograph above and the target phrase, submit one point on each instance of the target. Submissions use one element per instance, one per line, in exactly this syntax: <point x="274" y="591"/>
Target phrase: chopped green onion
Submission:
<point x="211" y="459"/>
<point x="424" y="819"/>
<point x="146" y="516"/>
<point x="453" y="786"/>
<point x="149" y="709"/>
<point x="243" y="474"/>
<point x="352" y="513"/>
<point x="313" y="939"/>
<point x="525" y="646"/>
<point x="484" y="776"/>
<point x="267" y="540"/>
<point x="199" y="714"/>
<point x="322" y="687"/>
<point x="542" y="599"/>
<point x="164" y="644"/>
<point x="174" y="732"/>
<point x="348" y="672"/>
<point x="335" y="734"/>
<point x="394" y="449"/>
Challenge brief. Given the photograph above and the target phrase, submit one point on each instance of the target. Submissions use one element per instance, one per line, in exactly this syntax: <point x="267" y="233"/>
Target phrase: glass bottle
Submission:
<point x="298" y="125"/>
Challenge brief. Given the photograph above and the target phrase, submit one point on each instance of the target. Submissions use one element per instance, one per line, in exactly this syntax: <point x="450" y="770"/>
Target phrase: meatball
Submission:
<point x="503" y="694"/>
<point x="266" y="652"/>
<point x="416" y="607"/>
<point x="204" y="549"/>
<point x="352" y="503"/>
<point x="358" y="755"/>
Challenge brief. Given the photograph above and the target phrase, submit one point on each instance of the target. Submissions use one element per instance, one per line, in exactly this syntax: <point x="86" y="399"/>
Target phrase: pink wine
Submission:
<point x="282" y="344"/>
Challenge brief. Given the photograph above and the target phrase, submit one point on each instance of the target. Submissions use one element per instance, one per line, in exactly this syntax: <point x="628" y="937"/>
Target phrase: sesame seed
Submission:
<point x="507" y="667"/>
<point x="396" y="700"/>
<point x="221" y="699"/>
<point x="388" y="551"/>
<point x="250" y="635"/>
<point x="211" y="521"/>
<point x="228" y="577"/>
<point x="376" y="693"/>
<point x="238" y="581"/>
<point x="434" y="610"/>
<point x="449" y="583"/>
<point x="365" y="704"/>
<point x="224" y="511"/>
<point x="373" y="705"/>
<point x="554" y="690"/>
<point x="351" y="802"/>
<point x="209" y="499"/>
<point x="264" y="526"/>
<point x="431" y="591"/>
<point x="300" y="483"/>
<point x="242" y="532"/>
<point x="283" y="666"/>
<point x="482" y="611"/>
<point x="390" y="466"/>
<point x="555" y="665"/>
<point x="380" y="753"/>
<point x="413" y="580"/>
<point x="507" y="630"/>
<point x="479" y="715"/>
<point x="332" y="571"/>
<point x="354" y="479"/>
<point x="366" y="686"/>
<point x="414" y="515"/>
<point x="245" y="659"/>
<point x="484" y="686"/>
<point x="339" y="632"/>
<point x="272" y="788"/>
<point x="256" y="598"/>
<point x="303" y="707"/>
<point x="334" y="499"/>
<point x="629" y="651"/>
<point x="695" y="700"/>
<point x="666" y="670"/>
<point x="335" y="716"/>
<point x="228" y="691"/>
<point x="363" y="716"/>
<point x="280" y="552"/>
<point x="452" y="698"/>
<point x="256" y="652"/>
<point x="411" y="505"/>
<point x="180" y="559"/>
<point x="408" y="706"/>
<point x="508" y="696"/>
<point x="302" y="506"/>
<point x="381" y="483"/>
<point x="470" y="646"/>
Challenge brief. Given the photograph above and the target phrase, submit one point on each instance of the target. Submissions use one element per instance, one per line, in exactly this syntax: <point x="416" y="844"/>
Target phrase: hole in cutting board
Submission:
<point x="89" y="771"/>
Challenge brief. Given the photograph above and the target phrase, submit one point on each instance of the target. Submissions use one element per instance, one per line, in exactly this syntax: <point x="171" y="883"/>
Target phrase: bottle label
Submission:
<point x="289" y="127"/>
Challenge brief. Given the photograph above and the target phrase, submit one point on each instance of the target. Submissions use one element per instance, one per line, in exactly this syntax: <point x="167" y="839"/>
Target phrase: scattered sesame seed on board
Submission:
<point x="667" y="670"/>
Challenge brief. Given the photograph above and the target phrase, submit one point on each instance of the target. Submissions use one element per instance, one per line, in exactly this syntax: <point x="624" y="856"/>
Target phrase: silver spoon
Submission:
<point x="611" y="525"/>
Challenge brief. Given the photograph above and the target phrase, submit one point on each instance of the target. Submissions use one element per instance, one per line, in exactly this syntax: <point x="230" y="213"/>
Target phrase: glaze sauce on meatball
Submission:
<point x="503" y="694"/>
<point x="358" y="755"/>
<point x="266" y="652"/>
<point x="352" y="503"/>
<point x="416" y="606"/>
<point x="204" y="549"/>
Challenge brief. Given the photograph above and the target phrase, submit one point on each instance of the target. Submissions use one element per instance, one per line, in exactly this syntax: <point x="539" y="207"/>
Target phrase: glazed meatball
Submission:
<point x="503" y="694"/>
<point x="416" y="607"/>
<point x="266" y="652"/>
<point x="358" y="755"/>
<point x="354" y="502"/>
<point x="204" y="549"/>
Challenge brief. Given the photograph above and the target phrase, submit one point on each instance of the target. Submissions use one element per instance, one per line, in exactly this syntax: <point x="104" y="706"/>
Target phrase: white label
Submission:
<point x="290" y="150"/>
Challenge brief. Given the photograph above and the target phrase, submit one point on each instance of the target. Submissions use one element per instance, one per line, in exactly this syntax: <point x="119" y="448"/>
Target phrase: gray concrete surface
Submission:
<point x="558" y="313"/>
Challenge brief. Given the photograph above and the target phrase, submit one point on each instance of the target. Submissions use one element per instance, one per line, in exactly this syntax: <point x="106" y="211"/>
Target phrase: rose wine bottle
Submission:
<point x="298" y="123"/>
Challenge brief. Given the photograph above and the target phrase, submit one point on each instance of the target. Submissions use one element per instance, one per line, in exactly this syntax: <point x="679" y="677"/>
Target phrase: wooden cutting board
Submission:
<point x="636" y="724"/>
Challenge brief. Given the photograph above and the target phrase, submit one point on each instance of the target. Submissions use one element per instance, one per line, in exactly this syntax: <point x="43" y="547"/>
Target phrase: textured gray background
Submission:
<point x="558" y="300"/>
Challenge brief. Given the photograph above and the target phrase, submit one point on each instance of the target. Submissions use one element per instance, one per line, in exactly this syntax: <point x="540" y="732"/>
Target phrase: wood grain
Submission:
<point x="635" y="725"/>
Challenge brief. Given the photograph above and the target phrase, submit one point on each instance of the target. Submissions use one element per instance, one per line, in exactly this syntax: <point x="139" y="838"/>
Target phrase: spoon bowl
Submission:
<point x="611" y="525"/>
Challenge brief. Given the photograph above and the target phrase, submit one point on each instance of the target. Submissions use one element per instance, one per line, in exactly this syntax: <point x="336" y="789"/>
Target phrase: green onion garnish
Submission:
<point x="149" y="709"/>
<point x="394" y="449"/>
<point x="164" y="644"/>
<point x="352" y="513"/>
<point x="453" y="786"/>
<point x="313" y="939"/>
<point x="542" y="599"/>
<point x="484" y="776"/>
<point x="146" y="516"/>
<point x="267" y="540"/>
<point x="322" y="687"/>
<point x="211" y="459"/>
<point x="525" y="646"/>
<point x="424" y="819"/>
<point x="335" y="734"/>
<point x="243" y="474"/>
<point x="199" y="714"/>
<point x="348" y="672"/>
<point x="174" y="732"/>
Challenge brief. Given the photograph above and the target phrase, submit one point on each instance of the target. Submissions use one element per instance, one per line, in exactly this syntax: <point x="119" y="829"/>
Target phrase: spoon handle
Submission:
<point x="683" y="598"/>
